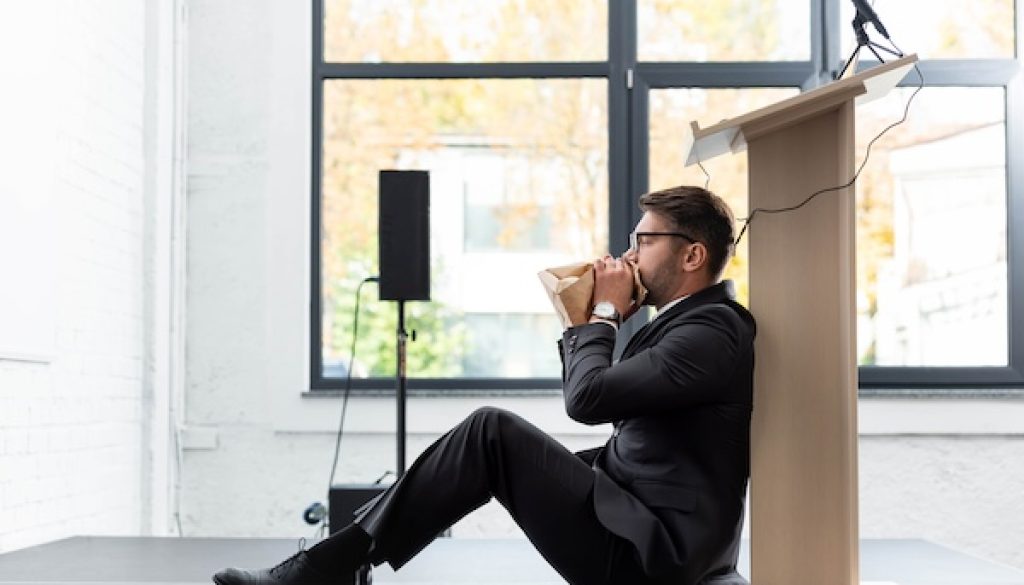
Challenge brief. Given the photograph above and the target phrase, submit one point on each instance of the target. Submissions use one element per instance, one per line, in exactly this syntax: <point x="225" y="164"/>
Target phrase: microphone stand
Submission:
<point x="863" y="41"/>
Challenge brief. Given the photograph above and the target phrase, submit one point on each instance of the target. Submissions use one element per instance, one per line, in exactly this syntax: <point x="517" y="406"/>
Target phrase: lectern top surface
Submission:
<point x="701" y="144"/>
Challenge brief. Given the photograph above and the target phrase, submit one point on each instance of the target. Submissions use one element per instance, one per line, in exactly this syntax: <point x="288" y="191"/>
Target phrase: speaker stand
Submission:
<point x="401" y="341"/>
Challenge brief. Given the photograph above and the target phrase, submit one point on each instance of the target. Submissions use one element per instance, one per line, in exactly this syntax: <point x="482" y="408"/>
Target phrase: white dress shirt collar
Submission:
<point x="669" y="305"/>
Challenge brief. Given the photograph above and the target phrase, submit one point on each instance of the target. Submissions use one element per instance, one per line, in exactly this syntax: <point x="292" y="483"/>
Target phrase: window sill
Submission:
<point x="864" y="393"/>
<point x="946" y="393"/>
<point x="995" y="412"/>
<point x="434" y="393"/>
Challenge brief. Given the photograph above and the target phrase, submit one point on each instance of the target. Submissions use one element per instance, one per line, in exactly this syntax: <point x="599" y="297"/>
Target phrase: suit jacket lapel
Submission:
<point x="634" y="342"/>
<point x="712" y="294"/>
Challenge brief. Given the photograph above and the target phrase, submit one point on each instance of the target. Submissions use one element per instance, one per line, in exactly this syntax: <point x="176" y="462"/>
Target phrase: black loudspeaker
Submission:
<point x="345" y="499"/>
<point x="404" y="236"/>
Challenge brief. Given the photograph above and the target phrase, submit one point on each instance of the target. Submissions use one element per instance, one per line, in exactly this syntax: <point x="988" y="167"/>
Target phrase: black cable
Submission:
<point x="867" y="155"/>
<point x="348" y="380"/>
<point x="380" y="479"/>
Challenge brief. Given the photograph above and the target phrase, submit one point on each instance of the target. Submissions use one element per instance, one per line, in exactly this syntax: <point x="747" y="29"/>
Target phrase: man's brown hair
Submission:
<point x="700" y="214"/>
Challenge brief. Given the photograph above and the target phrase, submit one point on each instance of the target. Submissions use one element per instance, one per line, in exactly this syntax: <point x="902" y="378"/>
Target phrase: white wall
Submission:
<point x="258" y="451"/>
<point x="71" y="406"/>
<point x="962" y="491"/>
<point x="946" y="470"/>
<point x="88" y="153"/>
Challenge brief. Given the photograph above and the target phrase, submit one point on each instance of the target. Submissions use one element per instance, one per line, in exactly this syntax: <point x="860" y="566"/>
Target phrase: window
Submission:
<point x="518" y="182"/>
<point x="743" y="30"/>
<point x="467" y="31"/>
<point x="541" y="123"/>
<point x="943" y="29"/>
<point x="937" y="203"/>
<point x="932" y="231"/>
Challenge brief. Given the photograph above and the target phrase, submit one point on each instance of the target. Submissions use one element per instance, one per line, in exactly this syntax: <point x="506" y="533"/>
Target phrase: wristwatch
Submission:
<point x="605" y="310"/>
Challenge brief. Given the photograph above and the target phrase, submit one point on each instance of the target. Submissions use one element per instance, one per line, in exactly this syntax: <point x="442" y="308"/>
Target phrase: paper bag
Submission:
<point x="571" y="290"/>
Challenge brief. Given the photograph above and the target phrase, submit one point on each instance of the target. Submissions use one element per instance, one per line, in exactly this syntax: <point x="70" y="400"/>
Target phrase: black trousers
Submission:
<point x="546" y="488"/>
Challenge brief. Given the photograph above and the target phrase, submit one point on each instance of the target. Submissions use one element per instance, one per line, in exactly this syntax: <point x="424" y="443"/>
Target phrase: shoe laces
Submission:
<point x="285" y="566"/>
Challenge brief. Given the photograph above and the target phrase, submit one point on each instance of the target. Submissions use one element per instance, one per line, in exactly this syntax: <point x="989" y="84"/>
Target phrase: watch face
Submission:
<point x="605" y="310"/>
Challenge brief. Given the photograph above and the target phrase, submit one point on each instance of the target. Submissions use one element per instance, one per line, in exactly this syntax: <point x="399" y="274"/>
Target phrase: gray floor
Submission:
<point x="121" y="560"/>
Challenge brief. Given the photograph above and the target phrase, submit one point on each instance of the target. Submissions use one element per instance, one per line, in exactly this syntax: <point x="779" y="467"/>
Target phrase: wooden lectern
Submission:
<point x="803" y="491"/>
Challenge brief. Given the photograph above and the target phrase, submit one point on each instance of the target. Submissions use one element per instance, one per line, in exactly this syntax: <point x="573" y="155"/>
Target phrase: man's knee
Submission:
<point x="492" y="420"/>
<point x="486" y="417"/>
<point x="488" y="412"/>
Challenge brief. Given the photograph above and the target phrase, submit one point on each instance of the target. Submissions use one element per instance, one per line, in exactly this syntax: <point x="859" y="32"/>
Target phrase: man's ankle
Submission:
<point x="344" y="552"/>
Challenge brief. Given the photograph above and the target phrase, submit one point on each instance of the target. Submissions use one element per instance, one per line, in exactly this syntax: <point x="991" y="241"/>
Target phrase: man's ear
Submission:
<point x="695" y="258"/>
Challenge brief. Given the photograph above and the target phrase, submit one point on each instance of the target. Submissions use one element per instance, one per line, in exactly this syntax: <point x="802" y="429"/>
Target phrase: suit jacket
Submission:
<point x="672" y="478"/>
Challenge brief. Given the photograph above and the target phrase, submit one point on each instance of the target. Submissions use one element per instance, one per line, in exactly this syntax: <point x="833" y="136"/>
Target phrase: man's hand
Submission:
<point x="613" y="282"/>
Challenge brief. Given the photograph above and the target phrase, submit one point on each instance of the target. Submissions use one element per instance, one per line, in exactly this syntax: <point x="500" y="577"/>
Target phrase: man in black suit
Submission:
<point x="662" y="501"/>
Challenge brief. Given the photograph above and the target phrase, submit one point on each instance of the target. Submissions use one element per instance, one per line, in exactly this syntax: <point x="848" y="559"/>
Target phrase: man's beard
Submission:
<point x="657" y="287"/>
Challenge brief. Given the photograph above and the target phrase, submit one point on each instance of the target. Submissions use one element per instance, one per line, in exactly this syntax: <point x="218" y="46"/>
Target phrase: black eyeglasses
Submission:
<point x="633" y="237"/>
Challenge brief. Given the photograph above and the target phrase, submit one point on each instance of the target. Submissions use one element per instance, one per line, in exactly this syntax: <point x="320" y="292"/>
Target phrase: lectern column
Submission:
<point x="802" y="292"/>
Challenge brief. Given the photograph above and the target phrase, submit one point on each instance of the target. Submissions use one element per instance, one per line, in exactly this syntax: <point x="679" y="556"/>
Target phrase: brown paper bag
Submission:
<point x="571" y="290"/>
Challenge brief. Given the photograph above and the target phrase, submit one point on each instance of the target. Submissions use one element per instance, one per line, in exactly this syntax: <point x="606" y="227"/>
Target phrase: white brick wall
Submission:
<point x="70" y="422"/>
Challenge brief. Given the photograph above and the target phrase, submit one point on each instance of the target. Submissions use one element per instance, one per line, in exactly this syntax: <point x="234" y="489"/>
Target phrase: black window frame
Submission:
<point x="629" y="82"/>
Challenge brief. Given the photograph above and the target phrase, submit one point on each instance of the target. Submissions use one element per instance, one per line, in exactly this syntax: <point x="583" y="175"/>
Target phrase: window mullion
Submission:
<point x="1015" y="218"/>
<point x="622" y="49"/>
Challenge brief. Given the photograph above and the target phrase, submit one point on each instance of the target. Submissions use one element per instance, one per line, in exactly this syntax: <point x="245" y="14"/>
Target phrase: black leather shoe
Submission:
<point x="295" y="570"/>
